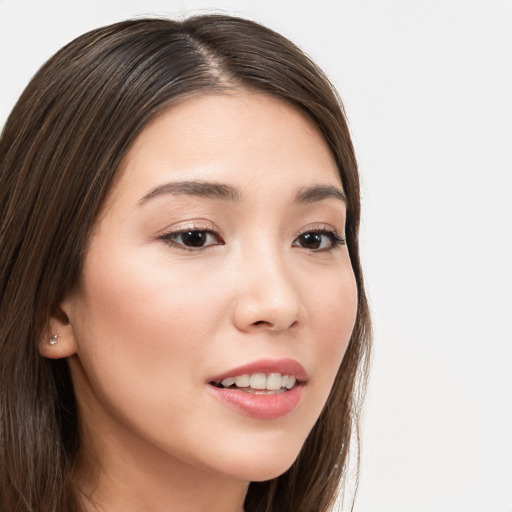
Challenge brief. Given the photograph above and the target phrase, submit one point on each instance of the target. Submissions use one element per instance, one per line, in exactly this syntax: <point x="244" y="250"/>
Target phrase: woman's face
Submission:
<point x="218" y="254"/>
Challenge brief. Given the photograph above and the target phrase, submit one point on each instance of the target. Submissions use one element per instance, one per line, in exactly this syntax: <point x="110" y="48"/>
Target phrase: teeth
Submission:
<point x="258" y="381"/>
<point x="290" y="382"/>
<point x="261" y="381"/>
<point x="242" y="381"/>
<point x="228" y="382"/>
<point x="274" y="381"/>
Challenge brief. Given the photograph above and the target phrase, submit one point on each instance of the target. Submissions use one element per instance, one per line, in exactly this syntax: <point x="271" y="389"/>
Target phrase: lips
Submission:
<point x="265" y="389"/>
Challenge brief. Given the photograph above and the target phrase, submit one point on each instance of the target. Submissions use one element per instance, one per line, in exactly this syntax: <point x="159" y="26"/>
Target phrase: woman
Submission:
<point x="183" y="318"/>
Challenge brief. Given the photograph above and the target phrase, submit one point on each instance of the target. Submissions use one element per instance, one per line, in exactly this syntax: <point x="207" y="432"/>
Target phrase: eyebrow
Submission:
<point x="225" y="192"/>
<point x="195" y="188"/>
<point x="319" y="193"/>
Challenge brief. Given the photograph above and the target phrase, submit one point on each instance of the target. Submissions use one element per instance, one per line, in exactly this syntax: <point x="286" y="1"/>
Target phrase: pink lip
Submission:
<point x="262" y="406"/>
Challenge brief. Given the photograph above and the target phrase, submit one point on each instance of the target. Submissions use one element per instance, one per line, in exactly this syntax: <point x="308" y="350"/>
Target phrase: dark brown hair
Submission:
<point x="59" y="152"/>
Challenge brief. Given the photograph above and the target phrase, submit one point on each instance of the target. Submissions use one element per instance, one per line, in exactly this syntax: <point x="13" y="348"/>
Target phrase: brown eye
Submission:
<point x="192" y="239"/>
<point x="324" y="240"/>
<point x="310" y="240"/>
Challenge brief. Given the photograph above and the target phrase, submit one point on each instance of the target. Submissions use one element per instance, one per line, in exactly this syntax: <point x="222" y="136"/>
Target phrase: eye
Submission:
<point x="319" y="240"/>
<point x="192" y="239"/>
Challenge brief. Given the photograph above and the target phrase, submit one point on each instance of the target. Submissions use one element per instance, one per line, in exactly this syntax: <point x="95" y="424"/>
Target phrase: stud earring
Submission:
<point x="53" y="339"/>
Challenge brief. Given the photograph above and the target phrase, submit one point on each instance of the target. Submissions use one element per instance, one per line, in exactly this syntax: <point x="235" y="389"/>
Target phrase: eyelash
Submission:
<point x="170" y="238"/>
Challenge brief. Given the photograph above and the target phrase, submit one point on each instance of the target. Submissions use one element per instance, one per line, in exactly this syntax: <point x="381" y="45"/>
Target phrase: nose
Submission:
<point x="268" y="294"/>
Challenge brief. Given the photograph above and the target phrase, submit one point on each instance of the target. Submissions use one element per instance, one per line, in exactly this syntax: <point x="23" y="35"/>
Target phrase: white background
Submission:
<point x="428" y="90"/>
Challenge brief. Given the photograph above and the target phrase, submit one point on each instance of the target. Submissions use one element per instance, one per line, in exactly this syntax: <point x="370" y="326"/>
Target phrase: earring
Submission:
<point x="53" y="339"/>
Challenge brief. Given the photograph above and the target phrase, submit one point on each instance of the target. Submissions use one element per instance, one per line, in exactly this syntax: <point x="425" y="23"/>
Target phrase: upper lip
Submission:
<point x="282" y="366"/>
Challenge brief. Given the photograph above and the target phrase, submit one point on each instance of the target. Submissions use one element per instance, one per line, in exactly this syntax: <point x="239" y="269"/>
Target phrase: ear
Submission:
<point x="59" y="340"/>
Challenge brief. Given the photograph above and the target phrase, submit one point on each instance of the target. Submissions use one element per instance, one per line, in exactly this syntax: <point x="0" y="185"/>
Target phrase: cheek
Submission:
<point x="144" y="331"/>
<point x="333" y="308"/>
<point x="138" y="319"/>
<point x="332" y="314"/>
<point x="141" y="292"/>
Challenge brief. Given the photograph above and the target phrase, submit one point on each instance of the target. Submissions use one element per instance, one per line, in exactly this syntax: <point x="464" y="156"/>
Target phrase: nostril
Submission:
<point x="271" y="326"/>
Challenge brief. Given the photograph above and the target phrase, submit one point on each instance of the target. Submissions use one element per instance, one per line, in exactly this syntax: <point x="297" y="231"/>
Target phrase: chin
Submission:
<point x="269" y="473"/>
<point x="262" y="464"/>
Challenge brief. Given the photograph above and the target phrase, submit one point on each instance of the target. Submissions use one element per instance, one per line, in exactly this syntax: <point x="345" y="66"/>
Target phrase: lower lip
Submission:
<point x="264" y="406"/>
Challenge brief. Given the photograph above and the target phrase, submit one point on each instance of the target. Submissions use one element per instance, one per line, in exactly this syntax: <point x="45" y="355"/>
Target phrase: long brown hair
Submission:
<point x="59" y="151"/>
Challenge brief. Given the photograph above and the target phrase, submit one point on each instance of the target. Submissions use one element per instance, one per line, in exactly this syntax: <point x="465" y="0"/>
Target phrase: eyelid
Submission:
<point x="318" y="228"/>
<point x="194" y="225"/>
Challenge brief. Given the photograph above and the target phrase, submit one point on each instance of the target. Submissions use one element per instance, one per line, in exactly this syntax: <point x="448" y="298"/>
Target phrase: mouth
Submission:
<point x="265" y="389"/>
<point x="259" y="383"/>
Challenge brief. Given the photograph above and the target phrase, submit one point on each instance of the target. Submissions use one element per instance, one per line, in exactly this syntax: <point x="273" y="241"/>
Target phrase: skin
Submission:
<point x="151" y="321"/>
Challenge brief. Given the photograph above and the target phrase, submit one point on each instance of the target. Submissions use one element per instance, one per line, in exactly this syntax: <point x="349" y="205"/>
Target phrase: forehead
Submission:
<point x="247" y="139"/>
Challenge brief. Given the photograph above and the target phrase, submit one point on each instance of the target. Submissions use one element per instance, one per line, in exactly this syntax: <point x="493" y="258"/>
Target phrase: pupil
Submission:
<point x="311" y="240"/>
<point x="194" y="238"/>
